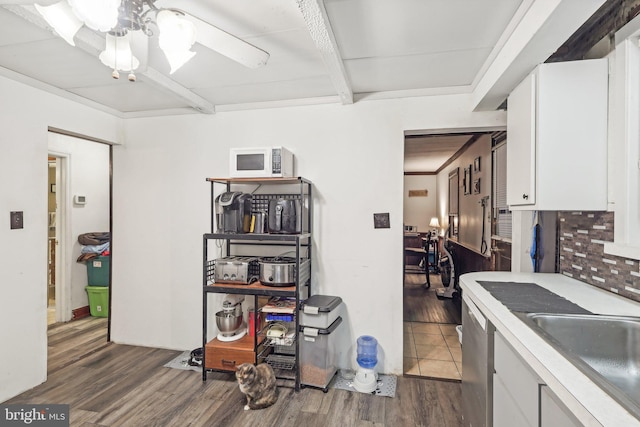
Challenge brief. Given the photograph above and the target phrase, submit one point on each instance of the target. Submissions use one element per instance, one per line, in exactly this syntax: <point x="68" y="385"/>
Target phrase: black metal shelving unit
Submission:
<point x="300" y="243"/>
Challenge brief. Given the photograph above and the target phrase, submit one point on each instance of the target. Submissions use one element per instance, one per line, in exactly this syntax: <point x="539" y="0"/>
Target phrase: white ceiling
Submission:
<point x="429" y="153"/>
<point x="382" y="46"/>
<point x="331" y="51"/>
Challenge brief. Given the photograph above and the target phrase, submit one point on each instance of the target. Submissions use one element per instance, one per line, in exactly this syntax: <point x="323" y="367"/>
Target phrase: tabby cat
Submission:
<point x="258" y="383"/>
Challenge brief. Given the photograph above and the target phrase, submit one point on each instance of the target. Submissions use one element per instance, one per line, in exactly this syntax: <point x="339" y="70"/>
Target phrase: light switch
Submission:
<point x="16" y="220"/>
<point x="381" y="220"/>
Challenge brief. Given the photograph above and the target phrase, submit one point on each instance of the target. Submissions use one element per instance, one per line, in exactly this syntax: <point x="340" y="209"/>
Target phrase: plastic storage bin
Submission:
<point x="98" y="300"/>
<point x="98" y="271"/>
<point x="320" y="311"/>
<point x="318" y="355"/>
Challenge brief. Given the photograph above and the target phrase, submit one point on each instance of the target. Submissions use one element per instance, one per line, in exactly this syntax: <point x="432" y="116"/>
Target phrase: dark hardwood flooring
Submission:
<point x="109" y="384"/>
<point x="422" y="304"/>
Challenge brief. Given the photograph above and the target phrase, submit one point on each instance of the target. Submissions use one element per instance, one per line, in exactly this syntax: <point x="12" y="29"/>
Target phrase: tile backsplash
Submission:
<point x="582" y="236"/>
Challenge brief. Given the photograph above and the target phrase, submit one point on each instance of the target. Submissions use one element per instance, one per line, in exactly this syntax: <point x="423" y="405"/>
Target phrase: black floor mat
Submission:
<point x="530" y="298"/>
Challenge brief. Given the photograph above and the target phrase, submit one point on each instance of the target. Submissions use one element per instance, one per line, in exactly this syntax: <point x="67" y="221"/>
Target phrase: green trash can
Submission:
<point x="98" y="271"/>
<point x="98" y="300"/>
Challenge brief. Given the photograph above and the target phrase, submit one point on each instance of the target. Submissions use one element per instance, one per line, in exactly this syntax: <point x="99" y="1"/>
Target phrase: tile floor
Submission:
<point x="432" y="350"/>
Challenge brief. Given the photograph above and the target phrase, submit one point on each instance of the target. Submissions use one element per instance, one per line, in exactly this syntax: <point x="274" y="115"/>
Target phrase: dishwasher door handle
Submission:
<point x="475" y="313"/>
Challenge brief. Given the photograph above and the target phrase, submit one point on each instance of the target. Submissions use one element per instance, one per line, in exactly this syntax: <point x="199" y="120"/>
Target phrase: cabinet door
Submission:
<point x="506" y="412"/>
<point x="553" y="413"/>
<point x="521" y="144"/>
<point x="519" y="380"/>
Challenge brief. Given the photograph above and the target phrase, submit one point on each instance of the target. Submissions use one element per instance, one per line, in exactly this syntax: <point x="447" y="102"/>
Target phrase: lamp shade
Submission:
<point x="62" y="20"/>
<point x="99" y="15"/>
<point x="177" y="35"/>
<point x="117" y="54"/>
<point x="434" y="222"/>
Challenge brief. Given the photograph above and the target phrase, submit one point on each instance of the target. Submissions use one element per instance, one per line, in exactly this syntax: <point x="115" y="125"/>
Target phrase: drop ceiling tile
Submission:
<point x="415" y="71"/>
<point x="312" y="87"/>
<point x="14" y="31"/>
<point x="127" y="96"/>
<point x="371" y="28"/>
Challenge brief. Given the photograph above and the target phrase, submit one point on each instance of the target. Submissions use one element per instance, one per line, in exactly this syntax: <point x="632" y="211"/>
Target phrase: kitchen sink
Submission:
<point x="605" y="348"/>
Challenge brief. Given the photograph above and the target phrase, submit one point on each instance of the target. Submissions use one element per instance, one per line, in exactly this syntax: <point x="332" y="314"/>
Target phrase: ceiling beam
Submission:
<point x="315" y="16"/>
<point x="93" y="43"/>
<point x="542" y="27"/>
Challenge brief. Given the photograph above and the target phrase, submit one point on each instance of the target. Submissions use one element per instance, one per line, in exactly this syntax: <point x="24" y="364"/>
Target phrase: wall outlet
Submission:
<point x="16" y="220"/>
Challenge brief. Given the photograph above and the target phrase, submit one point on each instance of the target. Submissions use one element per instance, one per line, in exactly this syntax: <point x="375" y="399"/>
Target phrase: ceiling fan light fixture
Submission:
<point x="99" y="15"/>
<point x="117" y="54"/>
<point x="177" y="35"/>
<point x="62" y="20"/>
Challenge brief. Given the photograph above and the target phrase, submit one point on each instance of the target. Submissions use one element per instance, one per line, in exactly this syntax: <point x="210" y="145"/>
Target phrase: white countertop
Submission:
<point x="588" y="402"/>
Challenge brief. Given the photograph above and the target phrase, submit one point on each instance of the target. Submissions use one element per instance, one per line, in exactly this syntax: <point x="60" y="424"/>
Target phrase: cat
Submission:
<point x="258" y="383"/>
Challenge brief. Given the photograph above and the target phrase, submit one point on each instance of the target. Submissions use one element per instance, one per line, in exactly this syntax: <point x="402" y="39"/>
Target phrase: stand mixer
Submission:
<point x="229" y="320"/>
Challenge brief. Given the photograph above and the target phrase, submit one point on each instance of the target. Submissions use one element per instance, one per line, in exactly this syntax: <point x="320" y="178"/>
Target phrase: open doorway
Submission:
<point x="79" y="202"/>
<point x="455" y="232"/>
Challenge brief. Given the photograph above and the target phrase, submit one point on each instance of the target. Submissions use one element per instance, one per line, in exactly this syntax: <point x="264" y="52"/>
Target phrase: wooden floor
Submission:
<point x="422" y="304"/>
<point x="109" y="384"/>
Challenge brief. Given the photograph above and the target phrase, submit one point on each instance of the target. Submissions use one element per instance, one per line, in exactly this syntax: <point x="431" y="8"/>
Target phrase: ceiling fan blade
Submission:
<point x="228" y="45"/>
<point x="140" y="48"/>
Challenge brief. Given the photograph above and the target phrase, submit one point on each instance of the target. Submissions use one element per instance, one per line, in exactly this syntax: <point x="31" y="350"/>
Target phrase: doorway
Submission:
<point x="460" y="164"/>
<point x="79" y="202"/>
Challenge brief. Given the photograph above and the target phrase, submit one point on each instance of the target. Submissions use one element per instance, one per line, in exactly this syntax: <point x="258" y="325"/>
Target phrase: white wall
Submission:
<point x="25" y="114"/>
<point x="352" y="153"/>
<point x="88" y="164"/>
<point x="418" y="211"/>
<point x="469" y="207"/>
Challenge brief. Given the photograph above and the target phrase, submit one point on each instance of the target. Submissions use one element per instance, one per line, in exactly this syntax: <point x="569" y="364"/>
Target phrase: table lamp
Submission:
<point x="435" y="224"/>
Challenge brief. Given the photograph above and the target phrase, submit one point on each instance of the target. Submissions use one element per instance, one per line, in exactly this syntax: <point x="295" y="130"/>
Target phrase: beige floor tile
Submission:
<point x="428" y="339"/>
<point x="452" y="341"/>
<point x="434" y="352"/>
<point x="448" y="330"/>
<point x="409" y="350"/>
<point x="411" y="366"/>
<point x="459" y="366"/>
<point x="456" y="353"/>
<point x="438" y="369"/>
<point x="408" y="338"/>
<point x="406" y="327"/>
<point x="426" y="328"/>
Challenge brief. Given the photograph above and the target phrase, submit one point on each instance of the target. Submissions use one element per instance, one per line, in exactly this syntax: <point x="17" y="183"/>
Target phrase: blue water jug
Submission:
<point x="367" y="356"/>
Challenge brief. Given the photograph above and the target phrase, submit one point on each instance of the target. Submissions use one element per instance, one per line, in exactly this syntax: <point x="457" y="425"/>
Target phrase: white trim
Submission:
<point x="63" y="251"/>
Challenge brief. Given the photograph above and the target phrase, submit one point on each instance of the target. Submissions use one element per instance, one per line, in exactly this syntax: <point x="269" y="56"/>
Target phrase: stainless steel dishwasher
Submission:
<point x="477" y="366"/>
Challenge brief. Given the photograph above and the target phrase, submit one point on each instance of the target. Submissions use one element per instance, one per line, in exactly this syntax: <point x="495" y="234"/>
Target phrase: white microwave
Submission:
<point x="261" y="162"/>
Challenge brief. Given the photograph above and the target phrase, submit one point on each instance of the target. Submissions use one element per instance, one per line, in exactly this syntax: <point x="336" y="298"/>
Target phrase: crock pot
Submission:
<point x="277" y="271"/>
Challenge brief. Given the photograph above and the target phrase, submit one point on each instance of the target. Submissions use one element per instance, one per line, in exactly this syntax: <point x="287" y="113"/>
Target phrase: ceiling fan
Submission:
<point x="128" y="24"/>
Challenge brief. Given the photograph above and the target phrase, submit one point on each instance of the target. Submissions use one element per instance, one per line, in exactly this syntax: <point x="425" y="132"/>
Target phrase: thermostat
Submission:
<point x="79" y="200"/>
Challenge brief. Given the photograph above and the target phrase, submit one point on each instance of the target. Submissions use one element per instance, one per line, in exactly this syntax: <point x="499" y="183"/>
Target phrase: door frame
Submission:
<point x="63" y="255"/>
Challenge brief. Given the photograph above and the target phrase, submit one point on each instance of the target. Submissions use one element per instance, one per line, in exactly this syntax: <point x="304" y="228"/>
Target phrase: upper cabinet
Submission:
<point x="557" y="138"/>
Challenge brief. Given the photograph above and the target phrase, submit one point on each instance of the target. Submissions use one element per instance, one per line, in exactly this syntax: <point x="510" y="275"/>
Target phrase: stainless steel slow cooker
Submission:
<point x="277" y="271"/>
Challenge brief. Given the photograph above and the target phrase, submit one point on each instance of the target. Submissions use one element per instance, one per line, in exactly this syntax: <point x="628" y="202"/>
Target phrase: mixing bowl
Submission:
<point x="228" y="323"/>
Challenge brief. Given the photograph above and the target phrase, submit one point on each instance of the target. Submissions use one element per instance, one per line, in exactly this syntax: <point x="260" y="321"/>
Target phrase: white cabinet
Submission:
<point x="557" y="138"/>
<point x="553" y="413"/>
<point x="513" y="378"/>
<point x="506" y="412"/>
<point x="519" y="396"/>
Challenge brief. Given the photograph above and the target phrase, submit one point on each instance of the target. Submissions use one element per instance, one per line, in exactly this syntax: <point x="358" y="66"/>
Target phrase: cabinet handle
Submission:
<point x="525" y="196"/>
<point x="229" y="362"/>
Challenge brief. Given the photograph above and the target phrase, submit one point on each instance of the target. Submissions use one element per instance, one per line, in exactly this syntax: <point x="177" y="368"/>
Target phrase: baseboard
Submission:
<point x="80" y="312"/>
